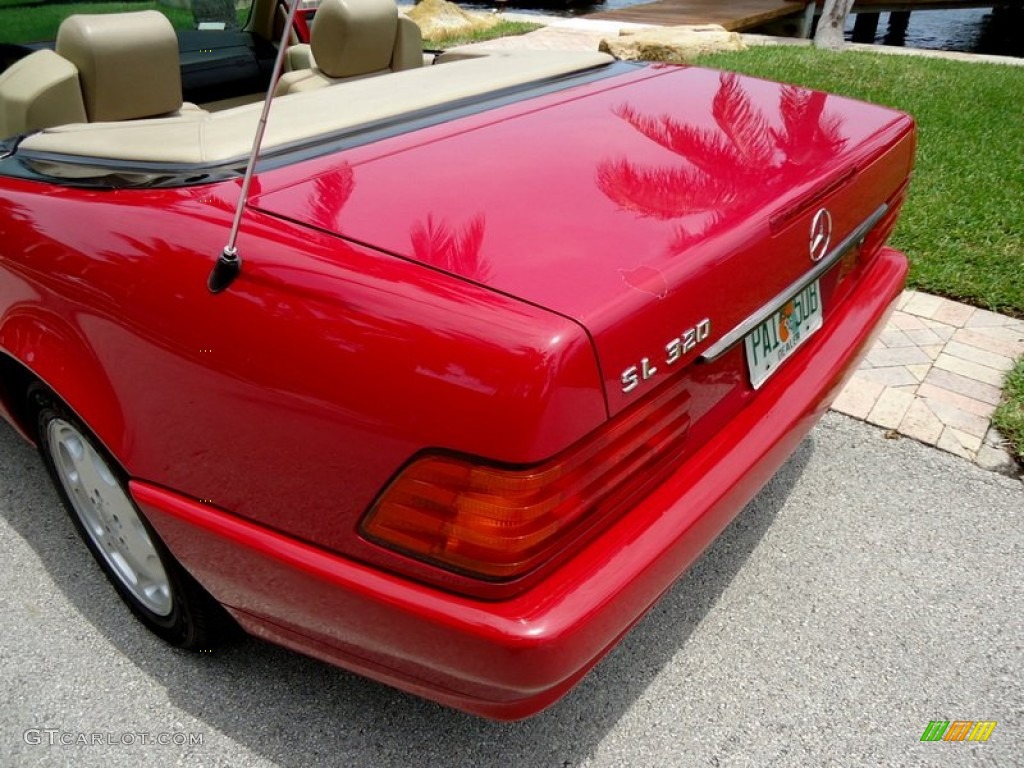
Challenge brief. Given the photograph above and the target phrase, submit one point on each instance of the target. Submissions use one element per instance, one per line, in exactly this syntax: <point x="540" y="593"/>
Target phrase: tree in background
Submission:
<point x="832" y="23"/>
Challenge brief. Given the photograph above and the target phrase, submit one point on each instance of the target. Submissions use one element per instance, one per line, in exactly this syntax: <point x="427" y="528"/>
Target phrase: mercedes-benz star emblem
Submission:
<point x="821" y="234"/>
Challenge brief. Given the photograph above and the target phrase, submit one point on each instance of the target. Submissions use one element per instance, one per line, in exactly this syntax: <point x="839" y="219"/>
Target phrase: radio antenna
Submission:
<point x="229" y="263"/>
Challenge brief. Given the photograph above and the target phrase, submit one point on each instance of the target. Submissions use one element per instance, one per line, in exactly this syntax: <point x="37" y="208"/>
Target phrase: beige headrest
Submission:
<point x="39" y="91"/>
<point x="127" y="63"/>
<point x="354" y="37"/>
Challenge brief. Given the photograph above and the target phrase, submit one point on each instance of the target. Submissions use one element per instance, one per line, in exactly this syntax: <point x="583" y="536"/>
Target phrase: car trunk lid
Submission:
<point x="653" y="207"/>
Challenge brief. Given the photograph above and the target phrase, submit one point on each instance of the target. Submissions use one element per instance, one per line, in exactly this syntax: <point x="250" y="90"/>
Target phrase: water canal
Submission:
<point x="971" y="30"/>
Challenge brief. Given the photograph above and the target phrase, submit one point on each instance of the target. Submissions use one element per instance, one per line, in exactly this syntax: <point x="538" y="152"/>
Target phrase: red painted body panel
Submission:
<point x="512" y="658"/>
<point x="381" y="312"/>
<point x="355" y="350"/>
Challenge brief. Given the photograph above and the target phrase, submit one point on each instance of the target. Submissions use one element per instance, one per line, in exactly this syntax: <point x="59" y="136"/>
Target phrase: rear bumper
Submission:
<point x="512" y="658"/>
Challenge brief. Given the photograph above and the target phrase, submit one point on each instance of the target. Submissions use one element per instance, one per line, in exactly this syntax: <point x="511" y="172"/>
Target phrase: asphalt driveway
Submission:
<point x="873" y="586"/>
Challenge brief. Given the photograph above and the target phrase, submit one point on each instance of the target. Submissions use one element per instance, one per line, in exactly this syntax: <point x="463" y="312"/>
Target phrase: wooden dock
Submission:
<point x="743" y="15"/>
<point x="734" y="15"/>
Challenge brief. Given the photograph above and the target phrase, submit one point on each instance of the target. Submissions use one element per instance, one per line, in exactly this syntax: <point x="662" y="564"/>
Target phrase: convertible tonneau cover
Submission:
<point x="199" y="138"/>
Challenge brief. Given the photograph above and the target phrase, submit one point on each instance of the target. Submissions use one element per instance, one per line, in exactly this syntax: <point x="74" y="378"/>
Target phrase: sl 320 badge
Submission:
<point x="675" y="350"/>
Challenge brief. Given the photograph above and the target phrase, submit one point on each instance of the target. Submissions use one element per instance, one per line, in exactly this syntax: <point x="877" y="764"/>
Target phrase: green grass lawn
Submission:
<point x="501" y="29"/>
<point x="1009" y="417"/>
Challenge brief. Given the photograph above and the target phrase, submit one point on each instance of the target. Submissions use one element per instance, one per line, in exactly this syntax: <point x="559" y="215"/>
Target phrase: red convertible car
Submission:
<point x="498" y="344"/>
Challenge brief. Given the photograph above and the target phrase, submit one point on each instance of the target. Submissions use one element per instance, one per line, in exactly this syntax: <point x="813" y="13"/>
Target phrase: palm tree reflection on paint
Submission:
<point x="456" y="250"/>
<point x="726" y="163"/>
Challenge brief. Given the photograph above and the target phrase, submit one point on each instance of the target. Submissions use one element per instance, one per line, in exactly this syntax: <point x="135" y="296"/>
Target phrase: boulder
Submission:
<point x="438" y="19"/>
<point x="674" y="45"/>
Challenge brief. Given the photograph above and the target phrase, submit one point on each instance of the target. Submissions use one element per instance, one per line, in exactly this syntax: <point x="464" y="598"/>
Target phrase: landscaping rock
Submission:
<point x="994" y="456"/>
<point x="674" y="45"/>
<point x="438" y="19"/>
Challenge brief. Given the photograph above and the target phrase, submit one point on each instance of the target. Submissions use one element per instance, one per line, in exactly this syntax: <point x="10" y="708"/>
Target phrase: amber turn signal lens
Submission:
<point x="500" y="523"/>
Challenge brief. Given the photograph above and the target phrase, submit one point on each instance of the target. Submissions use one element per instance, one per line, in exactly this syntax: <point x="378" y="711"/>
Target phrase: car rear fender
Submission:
<point x="41" y="348"/>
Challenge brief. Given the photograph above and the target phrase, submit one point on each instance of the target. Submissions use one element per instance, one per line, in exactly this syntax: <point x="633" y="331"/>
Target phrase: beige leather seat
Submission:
<point x="351" y="39"/>
<point x="39" y="91"/>
<point x="127" y="64"/>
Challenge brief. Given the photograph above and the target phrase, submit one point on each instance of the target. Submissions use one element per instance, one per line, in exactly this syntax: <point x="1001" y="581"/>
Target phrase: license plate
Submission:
<point x="777" y="337"/>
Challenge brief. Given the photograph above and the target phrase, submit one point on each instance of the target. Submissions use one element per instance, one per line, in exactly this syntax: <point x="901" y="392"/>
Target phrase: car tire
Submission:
<point x="94" y="491"/>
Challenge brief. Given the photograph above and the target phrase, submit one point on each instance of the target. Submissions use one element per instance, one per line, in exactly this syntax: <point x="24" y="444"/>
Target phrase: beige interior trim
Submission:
<point x="226" y="136"/>
<point x="297" y="57"/>
<point x="312" y="79"/>
<point x="234" y="101"/>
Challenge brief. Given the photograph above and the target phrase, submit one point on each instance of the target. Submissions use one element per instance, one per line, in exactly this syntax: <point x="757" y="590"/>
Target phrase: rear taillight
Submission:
<point x="499" y="523"/>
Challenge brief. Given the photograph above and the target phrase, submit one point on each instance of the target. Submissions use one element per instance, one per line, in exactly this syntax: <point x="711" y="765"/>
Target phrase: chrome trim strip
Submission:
<point x="735" y="336"/>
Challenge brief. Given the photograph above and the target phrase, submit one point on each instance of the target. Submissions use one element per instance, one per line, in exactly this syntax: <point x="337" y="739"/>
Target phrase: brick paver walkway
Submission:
<point x="936" y="375"/>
